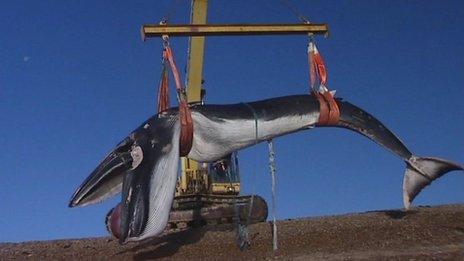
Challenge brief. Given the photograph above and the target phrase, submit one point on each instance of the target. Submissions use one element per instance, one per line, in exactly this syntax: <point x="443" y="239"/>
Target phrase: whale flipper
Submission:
<point x="148" y="190"/>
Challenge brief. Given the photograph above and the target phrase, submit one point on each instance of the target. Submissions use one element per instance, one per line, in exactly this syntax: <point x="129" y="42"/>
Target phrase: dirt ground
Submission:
<point x="430" y="233"/>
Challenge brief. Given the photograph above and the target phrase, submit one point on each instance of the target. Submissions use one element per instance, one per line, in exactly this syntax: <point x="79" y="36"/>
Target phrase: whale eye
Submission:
<point x="137" y="156"/>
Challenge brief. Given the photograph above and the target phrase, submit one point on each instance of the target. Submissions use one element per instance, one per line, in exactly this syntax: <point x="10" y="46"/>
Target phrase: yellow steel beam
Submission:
<point x="232" y="29"/>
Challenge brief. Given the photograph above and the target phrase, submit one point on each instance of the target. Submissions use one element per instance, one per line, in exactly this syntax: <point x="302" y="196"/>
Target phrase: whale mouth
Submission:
<point x="106" y="180"/>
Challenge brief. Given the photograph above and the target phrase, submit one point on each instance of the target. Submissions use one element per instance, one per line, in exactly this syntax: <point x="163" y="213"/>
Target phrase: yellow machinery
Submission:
<point x="210" y="192"/>
<point x="220" y="178"/>
<point x="194" y="177"/>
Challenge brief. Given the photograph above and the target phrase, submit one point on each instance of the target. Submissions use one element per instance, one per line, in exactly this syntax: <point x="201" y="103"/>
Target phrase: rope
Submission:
<point x="272" y="169"/>
<point x="243" y="235"/>
<point x="171" y="10"/>
<point x="243" y="241"/>
<point x="295" y="11"/>
<point x="255" y="116"/>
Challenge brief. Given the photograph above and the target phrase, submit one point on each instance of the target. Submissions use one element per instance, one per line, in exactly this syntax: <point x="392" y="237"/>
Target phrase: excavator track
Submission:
<point x="212" y="210"/>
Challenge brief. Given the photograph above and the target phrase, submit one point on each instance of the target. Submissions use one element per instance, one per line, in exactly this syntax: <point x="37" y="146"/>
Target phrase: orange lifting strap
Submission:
<point x="329" y="113"/>
<point x="163" y="88"/>
<point x="185" y="115"/>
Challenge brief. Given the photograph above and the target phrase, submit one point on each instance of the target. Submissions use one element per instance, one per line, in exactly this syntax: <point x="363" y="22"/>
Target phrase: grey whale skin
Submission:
<point x="144" y="165"/>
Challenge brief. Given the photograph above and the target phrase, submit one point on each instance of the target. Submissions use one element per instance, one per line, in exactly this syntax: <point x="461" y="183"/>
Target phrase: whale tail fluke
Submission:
<point x="420" y="172"/>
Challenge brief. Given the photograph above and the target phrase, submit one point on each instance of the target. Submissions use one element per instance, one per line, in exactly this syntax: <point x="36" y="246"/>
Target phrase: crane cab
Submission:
<point x="224" y="176"/>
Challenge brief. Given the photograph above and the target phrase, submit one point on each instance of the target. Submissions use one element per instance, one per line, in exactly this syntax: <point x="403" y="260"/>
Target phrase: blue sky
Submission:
<point x="75" y="78"/>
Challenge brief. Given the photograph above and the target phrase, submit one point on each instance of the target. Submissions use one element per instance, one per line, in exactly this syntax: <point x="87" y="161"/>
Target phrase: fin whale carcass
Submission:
<point x="144" y="165"/>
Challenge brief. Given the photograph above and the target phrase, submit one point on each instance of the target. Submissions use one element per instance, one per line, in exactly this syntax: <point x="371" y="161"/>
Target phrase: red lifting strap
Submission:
<point x="186" y="128"/>
<point x="329" y="113"/>
<point x="318" y="65"/>
<point x="163" y="88"/>
<point x="185" y="115"/>
<point x="323" y="109"/>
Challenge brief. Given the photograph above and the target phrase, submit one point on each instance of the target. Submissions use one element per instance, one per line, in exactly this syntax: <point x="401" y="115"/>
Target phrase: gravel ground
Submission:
<point x="425" y="233"/>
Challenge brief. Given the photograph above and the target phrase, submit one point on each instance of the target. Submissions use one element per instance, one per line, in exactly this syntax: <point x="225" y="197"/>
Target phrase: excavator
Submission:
<point x="209" y="194"/>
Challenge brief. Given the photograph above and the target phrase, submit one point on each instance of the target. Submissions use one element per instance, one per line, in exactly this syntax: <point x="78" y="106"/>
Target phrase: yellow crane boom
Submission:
<point x="190" y="168"/>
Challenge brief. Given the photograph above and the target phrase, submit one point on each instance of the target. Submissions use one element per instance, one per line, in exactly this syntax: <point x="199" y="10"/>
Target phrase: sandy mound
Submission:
<point x="423" y="233"/>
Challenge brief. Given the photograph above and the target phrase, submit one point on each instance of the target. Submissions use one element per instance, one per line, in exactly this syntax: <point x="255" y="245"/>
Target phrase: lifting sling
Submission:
<point x="185" y="115"/>
<point x="163" y="88"/>
<point x="329" y="113"/>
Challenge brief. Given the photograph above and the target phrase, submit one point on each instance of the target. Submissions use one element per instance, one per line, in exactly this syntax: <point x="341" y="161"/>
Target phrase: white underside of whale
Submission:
<point x="213" y="140"/>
